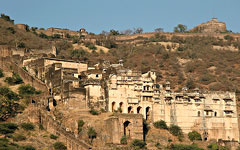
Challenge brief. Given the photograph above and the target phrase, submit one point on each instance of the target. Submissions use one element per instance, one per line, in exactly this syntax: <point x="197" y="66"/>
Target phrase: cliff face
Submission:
<point x="212" y="26"/>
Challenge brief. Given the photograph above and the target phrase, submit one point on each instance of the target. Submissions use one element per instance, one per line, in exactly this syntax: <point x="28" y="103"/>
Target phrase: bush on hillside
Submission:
<point x="59" y="146"/>
<point x="52" y="136"/>
<point x="80" y="125"/>
<point x="94" y="112"/>
<point x="19" y="137"/>
<point x="7" y="18"/>
<point x="160" y="124"/>
<point x="6" y="128"/>
<point x="175" y="130"/>
<point x="27" y="126"/>
<point x="8" y="93"/>
<point x="194" y="135"/>
<point x="29" y="147"/>
<point x="27" y="90"/>
<point x="184" y="147"/>
<point x="138" y="144"/>
<point x="15" y="79"/>
<point x="123" y="140"/>
<point x="92" y="133"/>
<point x="1" y="73"/>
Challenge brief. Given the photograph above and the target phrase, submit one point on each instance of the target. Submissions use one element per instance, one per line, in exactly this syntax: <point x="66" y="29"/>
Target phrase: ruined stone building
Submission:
<point x="212" y="26"/>
<point x="213" y="114"/>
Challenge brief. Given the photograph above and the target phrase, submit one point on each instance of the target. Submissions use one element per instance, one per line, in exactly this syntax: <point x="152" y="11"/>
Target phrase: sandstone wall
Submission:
<point x="41" y="116"/>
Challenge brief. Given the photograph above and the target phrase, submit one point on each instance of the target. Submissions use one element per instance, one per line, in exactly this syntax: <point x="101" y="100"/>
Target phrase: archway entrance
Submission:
<point x="121" y="107"/>
<point x="130" y="109"/>
<point x="127" y="131"/>
<point x="113" y="106"/>
<point x="147" y="113"/>
<point x="139" y="110"/>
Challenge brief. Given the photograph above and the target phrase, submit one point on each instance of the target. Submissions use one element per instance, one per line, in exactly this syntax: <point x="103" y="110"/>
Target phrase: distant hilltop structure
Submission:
<point x="212" y="26"/>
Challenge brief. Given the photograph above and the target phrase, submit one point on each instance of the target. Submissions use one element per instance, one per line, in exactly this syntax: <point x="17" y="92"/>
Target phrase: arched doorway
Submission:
<point x="130" y="109"/>
<point x="113" y="106"/>
<point x="147" y="113"/>
<point x="139" y="110"/>
<point x="126" y="130"/>
<point x="121" y="107"/>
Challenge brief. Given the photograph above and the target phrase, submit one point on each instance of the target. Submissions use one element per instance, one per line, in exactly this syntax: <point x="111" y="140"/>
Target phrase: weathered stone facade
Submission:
<point x="129" y="125"/>
<point x="213" y="114"/>
<point x="212" y="26"/>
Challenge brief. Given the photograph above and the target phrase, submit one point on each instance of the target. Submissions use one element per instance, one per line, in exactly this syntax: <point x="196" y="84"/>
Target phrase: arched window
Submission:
<point x="215" y="114"/>
<point x="113" y="106"/>
<point x="139" y="110"/>
<point x="199" y="113"/>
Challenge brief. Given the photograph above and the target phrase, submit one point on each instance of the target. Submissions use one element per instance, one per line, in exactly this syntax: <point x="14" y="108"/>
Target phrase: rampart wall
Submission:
<point x="41" y="116"/>
<point x="6" y="63"/>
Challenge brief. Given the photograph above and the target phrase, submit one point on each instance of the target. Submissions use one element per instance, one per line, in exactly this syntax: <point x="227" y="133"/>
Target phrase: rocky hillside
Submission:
<point x="14" y="37"/>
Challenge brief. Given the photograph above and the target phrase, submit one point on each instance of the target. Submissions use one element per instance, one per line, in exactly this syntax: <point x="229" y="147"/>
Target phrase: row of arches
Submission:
<point x="130" y="109"/>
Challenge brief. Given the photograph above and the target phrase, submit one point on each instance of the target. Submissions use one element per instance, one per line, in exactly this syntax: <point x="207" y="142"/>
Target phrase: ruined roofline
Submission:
<point x="58" y="59"/>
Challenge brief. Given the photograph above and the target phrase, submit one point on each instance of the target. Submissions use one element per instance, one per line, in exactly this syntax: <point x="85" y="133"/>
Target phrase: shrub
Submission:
<point x="158" y="145"/>
<point x="190" y="84"/>
<point x="91" y="133"/>
<point x="19" y="137"/>
<point x="80" y="125"/>
<point x="6" y="128"/>
<point x="1" y="73"/>
<point x="123" y="140"/>
<point x="42" y="35"/>
<point x="160" y="124"/>
<point x="27" y="126"/>
<point x="7" y="18"/>
<point x="52" y="136"/>
<point x="194" y="135"/>
<point x="15" y="79"/>
<point x="184" y="147"/>
<point x="213" y="146"/>
<point x="9" y="94"/>
<point x="138" y="144"/>
<point x="29" y="147"/>
<point x="59" y="146"/>
<point x="27" y="90"/>
<point x="78" y="53"/>
<point x="94" y="112"/>
<point x="175" y="130"/>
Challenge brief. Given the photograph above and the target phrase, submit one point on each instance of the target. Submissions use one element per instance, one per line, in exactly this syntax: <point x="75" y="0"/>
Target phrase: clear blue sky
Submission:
<point x="98" y="15"/>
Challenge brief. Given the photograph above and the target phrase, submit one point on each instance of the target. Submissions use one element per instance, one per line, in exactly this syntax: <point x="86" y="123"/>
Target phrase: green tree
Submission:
<point x="158" y="30"/>
<point x="27" y="90"/>
<point x="91" y="133"/>
<point x="80" y="125"/>
<point x="123" y="140"/>
<point x="176" y="130"/>
<point x="7" y="18"/>
<point x="138" y="30"/>
<point x="160" y="124"/>
<point x="180" y="28"/>
<point x="194" y="135"/>
<point x="114" y="32"/>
